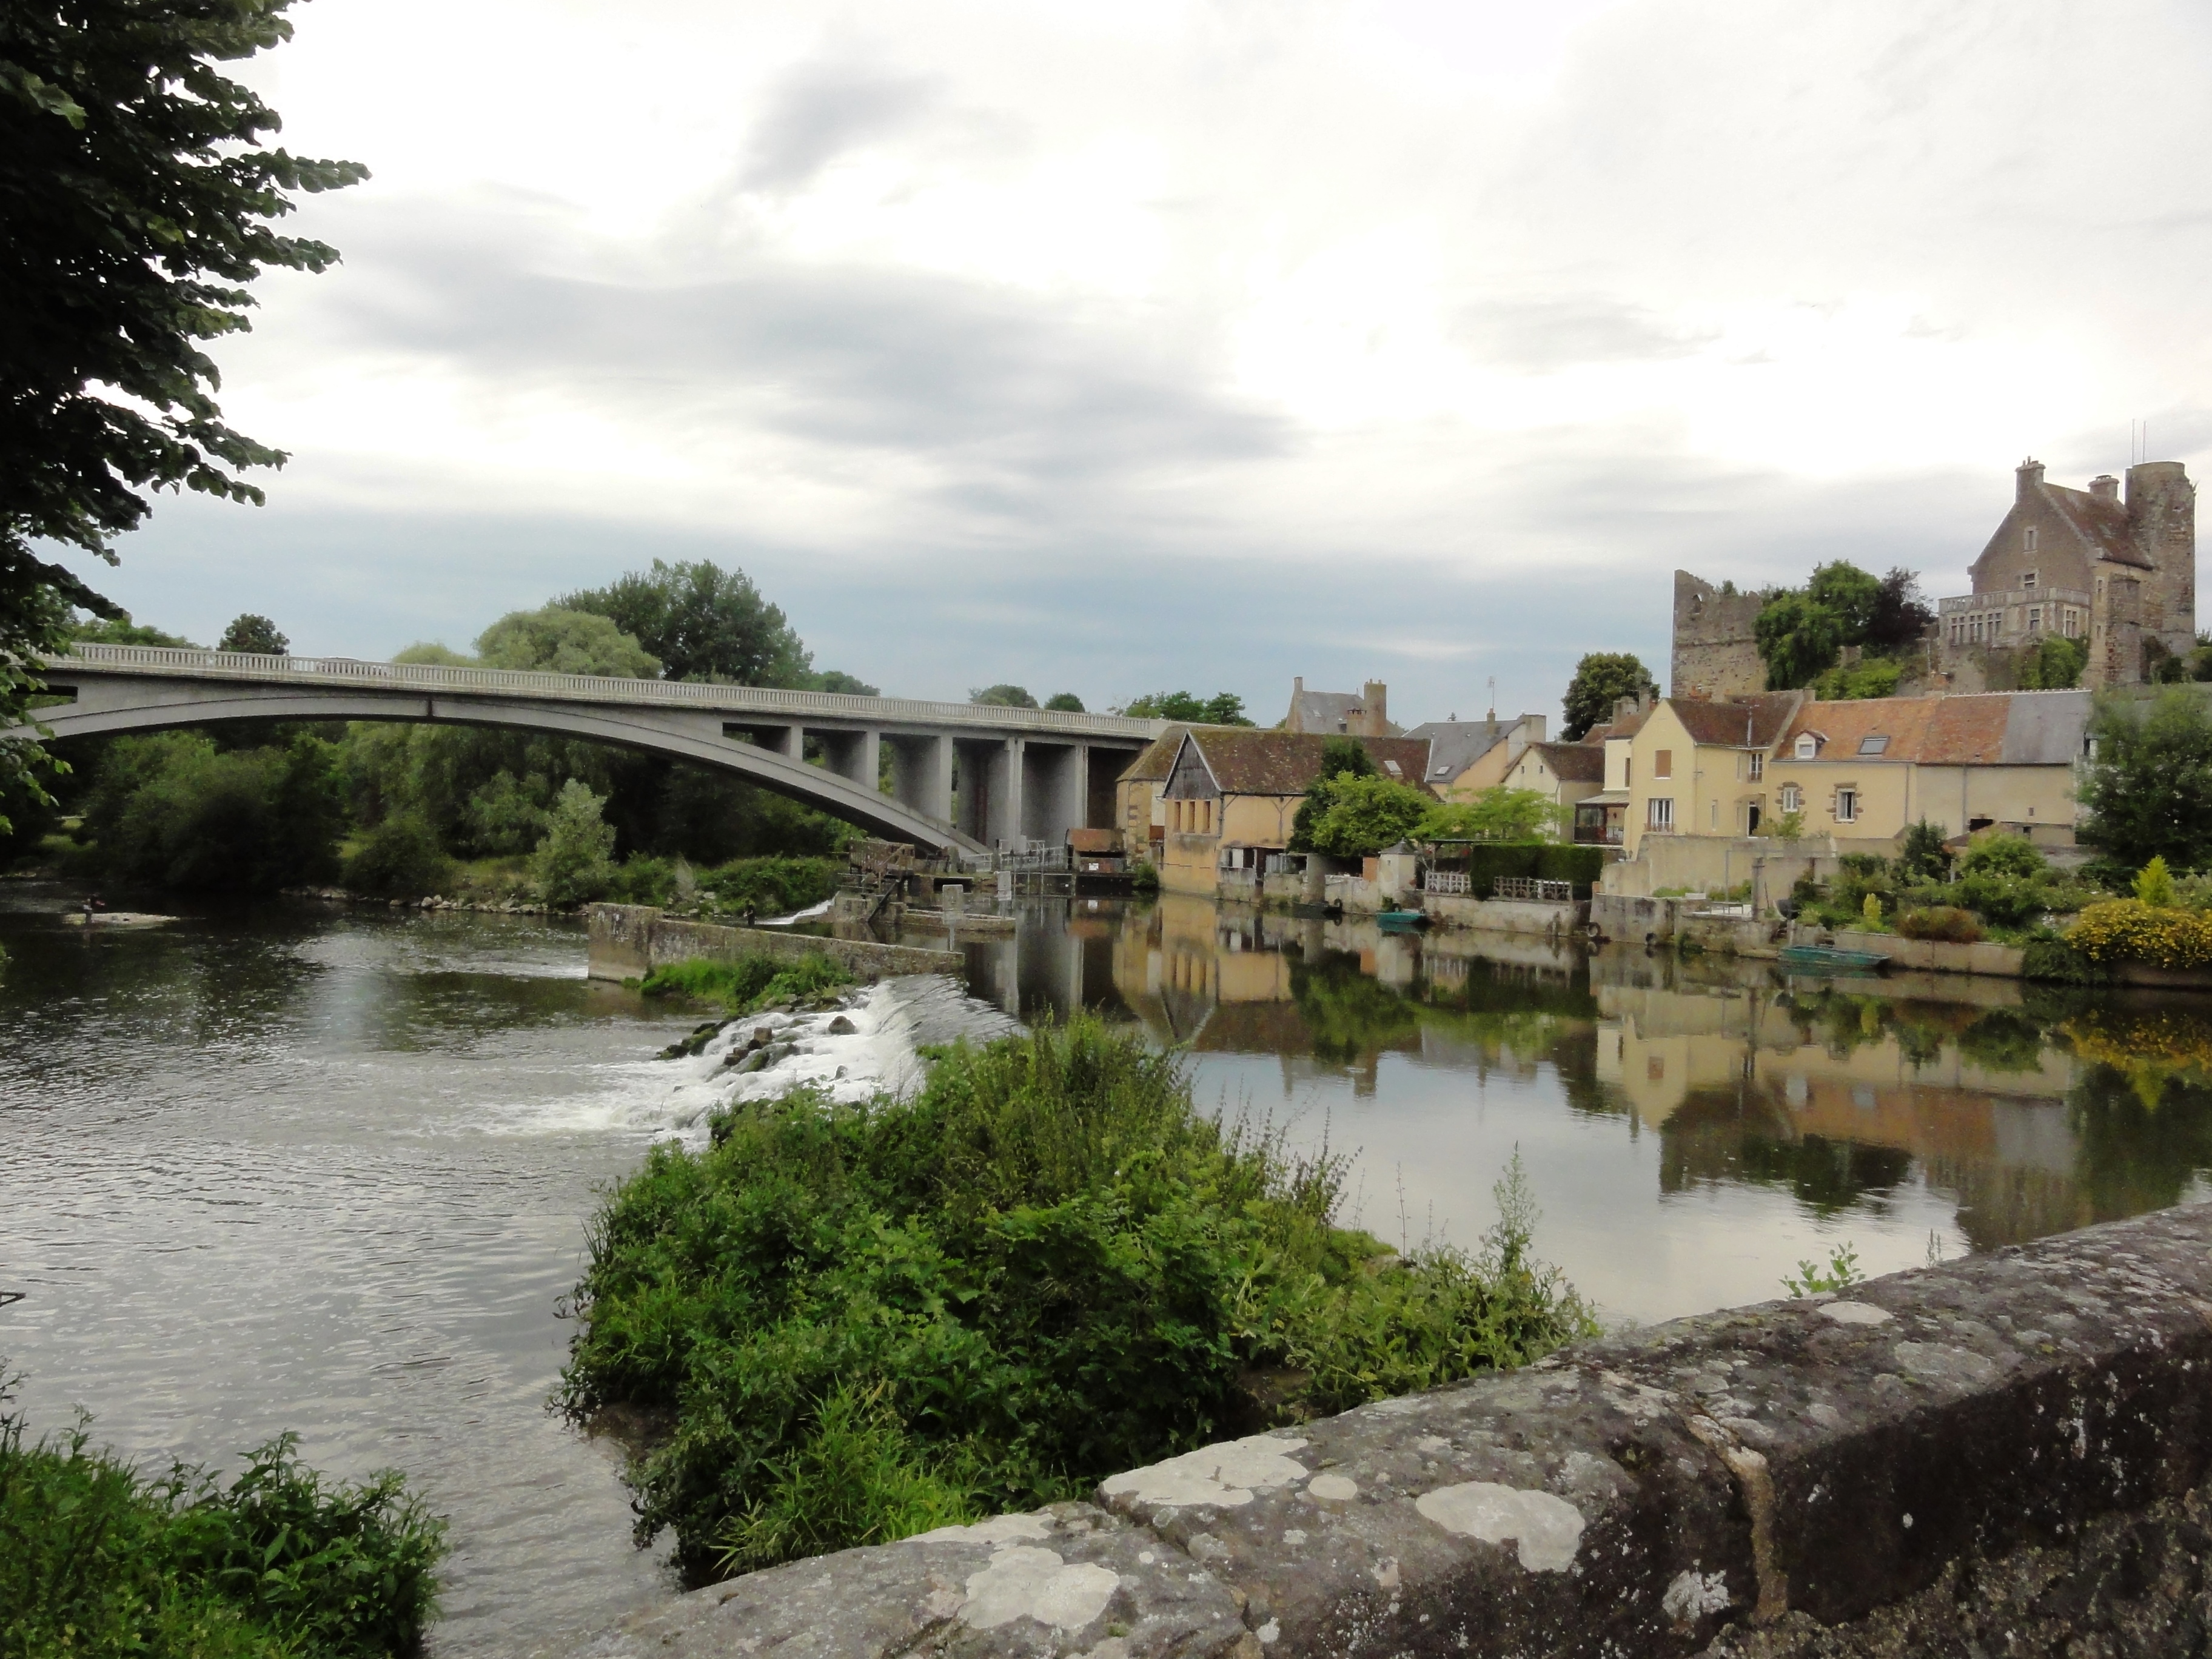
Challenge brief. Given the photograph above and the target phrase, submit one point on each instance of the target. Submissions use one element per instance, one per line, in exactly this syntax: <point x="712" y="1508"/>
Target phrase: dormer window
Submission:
<point x="1809" y="747"/>
<point x="2027" y="542"/>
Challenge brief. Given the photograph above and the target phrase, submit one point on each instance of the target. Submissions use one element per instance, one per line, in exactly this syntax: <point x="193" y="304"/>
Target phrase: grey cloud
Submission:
<point x="822" y="111"/>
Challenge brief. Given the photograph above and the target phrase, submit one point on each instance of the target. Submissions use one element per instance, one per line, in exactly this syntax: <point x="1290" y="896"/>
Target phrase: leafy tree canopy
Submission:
<point x="1068" y="701"/>
<point x="1003" y="696"/>
<point x="254" y="634"/>
<point x="2055" y="665"/>
<point x="1221" y="708"/>
<point x="120" y="629"/>
<point x="2147" y="791"/>
<point x="1499" y="814"/>
<point x="1802" y="631"/>
<point x="704" y="623"/>
<point x="436" y="653"/>
<point x="137" y="199"/>
<point x="836" y="679"/>
<point x="1601" y="679"/>
<point x="1365" y="814"/>
<point x="565" y="641"/>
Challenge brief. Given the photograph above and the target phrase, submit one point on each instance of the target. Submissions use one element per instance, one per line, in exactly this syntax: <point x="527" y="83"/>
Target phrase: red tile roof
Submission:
<point x="1252" y="763"/>
<point x="1741" y="722"/>
<point x="1573" y="762"/>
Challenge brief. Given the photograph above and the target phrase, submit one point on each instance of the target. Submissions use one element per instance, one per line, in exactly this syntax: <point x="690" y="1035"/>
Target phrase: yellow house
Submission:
<point x="1698" y="767"/>
<point x="1231" y="795"/>
<point x="1567" y="774"/>
<point x="1138" y="813"/>
<point x="1466" y="757"/>
<point x="2000" y="760"/>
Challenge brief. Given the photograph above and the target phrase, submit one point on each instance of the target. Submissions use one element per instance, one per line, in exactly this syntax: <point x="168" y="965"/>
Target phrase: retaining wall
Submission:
<point x="2006" y="1455"/>
<point x="629" y="941"/>
<point x="1504" y="915"/>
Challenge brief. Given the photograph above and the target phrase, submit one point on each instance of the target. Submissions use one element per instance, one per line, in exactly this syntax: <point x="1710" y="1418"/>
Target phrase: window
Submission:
<point x="1808" y="746"/>
<point x="1847" y="806"/>
<point x="2071" y="623"/>
<point x="2035" y="619"/>
<point x="1659" y="813"/>
<point x="1758" y="767"/>
<point x="2027" y="543"/>
<point x="1663" y="762"/>
<point x="1873" y="746"/>
<point x="1793" y="798"/>
<point x="1628" y="772"/>
<point x="2027" y="579"/>
<point x="1957" y="630"/>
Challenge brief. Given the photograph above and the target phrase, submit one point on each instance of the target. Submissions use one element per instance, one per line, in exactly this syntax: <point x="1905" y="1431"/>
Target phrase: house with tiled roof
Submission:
<point x="1137" y="809"/>
<point x="1567" y="774"/>
<point x="2113" y="565"/>
<point x="1231" y="795"/>
<point x="1466" y="757"/>
<point x="1693" y="767"/>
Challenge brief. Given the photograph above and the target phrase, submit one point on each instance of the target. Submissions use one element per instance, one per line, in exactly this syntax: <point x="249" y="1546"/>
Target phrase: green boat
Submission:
<point x="1827" y="959"/>
<point x="1402" y="922"/>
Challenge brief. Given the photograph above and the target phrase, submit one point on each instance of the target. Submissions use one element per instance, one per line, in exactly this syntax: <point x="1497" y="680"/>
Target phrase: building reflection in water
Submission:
<point x="1694" y="1127"/>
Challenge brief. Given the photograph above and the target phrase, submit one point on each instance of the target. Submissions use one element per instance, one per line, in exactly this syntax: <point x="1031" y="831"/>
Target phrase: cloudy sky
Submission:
<point x="1199" y="343"/>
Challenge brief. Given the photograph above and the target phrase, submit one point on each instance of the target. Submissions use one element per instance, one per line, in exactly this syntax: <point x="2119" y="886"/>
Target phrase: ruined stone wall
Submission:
<point x="2162" y="523"/>
<point x="2007" y="1454"/>
<point x="629" y="941"/>
<point x="1715" y="650"/>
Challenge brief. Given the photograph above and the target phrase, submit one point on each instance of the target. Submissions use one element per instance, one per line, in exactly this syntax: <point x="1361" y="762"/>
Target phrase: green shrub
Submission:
<point x="743" y="983"/>
<point x="1923" y="856"/>
<point x="1046" y="1266"/>
<point x="1544" y="861"/>
<point x="95" y="1559"/>
<point x="638" y="879"/>
<point x="772" y="886"/>
<point x="1145" y="876"/>
<point x="400" y="858"/>
<point x="2154" y="884"/>
<point x="1942" y="921"/>
<point x="174" y="810"/>
<point x="575" y="864"/>
<point x="2048" y="955"/>
<point x="2003" y="855"/>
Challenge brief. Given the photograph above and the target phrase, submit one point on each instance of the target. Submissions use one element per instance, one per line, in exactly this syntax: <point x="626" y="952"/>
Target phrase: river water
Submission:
<point x="280" y="1168"/>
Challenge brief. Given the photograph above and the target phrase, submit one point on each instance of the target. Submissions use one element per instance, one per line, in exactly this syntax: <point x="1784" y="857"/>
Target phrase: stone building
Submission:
<point x="1363" y="714"/>
<point x="2114" y="568"/>
<point x="1715" y="651"/>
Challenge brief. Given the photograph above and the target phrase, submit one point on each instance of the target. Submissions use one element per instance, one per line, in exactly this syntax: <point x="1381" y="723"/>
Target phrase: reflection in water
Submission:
<point x="1913" y="1114"/>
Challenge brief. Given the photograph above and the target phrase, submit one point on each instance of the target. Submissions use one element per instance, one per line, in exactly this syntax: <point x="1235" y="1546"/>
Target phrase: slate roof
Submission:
<point x="1740" y="723"/>
<point x="1454" y="746"/>
<point x="1325" y="712"/>
<point x="2103" y="524"/>
<point x="1572" y="762"/>
<point x="1255" y="762"/>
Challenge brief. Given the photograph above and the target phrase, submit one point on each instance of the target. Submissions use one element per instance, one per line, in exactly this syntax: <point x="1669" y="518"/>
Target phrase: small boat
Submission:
<point x="1827" y="959"/>
<point x="1402" y="922"/>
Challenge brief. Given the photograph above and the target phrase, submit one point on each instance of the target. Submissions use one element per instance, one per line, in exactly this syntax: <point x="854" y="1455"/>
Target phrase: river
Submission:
<point x="275" y="1167"/>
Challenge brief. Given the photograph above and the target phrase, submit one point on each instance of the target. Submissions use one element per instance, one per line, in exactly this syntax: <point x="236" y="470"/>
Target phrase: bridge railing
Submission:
<point x="353" y="671"/>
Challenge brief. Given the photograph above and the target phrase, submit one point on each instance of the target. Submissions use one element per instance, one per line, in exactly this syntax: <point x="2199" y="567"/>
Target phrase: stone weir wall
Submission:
<point x="2003" y="1456"/>
<point x="629" y="941"/>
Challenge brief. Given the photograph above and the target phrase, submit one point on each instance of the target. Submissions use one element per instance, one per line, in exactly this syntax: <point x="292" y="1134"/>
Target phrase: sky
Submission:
<point x="1198" y="343"/>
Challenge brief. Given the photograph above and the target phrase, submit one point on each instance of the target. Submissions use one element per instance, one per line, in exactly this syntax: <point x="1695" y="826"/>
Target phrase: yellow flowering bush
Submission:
<point x="2128" y="930"/>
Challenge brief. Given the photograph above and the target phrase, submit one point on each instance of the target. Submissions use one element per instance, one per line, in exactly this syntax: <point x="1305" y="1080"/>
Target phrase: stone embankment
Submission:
<point x="2004" y="1456"/>
<point x="629" y="941"/>
<point x="433" y="901"/>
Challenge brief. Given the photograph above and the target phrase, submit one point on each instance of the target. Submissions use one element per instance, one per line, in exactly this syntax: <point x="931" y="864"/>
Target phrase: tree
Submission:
<point x="2055" y="665"/>
<point x="574" y="863"/>
<point x="1799" y="638"/>
<point x="1003" y="696"/>
<point x="2148" y="790"/>
<point x="1901" y="617"/>
<point x="702" y="622"/>
<point x="1340" y="758"/>
<point x="1221" y="708"/>
<point x="174" y="811"/>
<point x="137" y="200"/>
<point x="120" y="629"/>
<point x="1601" y="679"/>
<point x="1847" y="593"/>
<point x="256" y="635"/>
<point x="1366" y="814"/>
<point x="1066" y="702"/>
<point x="837" y="680"/>
<point x="1923" y="856"/>
<point x="565" y="641"/>
<point x="1499" y="814"/>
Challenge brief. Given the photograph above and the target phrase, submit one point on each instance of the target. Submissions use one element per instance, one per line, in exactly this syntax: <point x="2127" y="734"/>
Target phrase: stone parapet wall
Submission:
<point x="2015" y="1444"/>
<point x="629" y="941"/>
<point x="1504" y="915"/>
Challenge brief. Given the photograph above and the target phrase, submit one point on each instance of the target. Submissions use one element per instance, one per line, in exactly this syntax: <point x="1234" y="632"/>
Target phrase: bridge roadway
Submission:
<point x="1023" y="773"/>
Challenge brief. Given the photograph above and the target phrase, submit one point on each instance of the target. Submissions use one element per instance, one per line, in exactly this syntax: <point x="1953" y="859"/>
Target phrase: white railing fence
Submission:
<point x="1447" y="881"/>
<point x="1530" y="889"/>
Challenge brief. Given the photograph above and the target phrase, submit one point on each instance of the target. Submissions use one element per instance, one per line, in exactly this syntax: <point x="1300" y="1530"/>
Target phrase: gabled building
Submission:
<point x="1468" y="757"/>
<point x="1567" y="775"/>
<point x="1231" y="796"/>
<point x="1138" y="811"/>
<point x="1362" y="714"/>
<point x="1698" y="767"/>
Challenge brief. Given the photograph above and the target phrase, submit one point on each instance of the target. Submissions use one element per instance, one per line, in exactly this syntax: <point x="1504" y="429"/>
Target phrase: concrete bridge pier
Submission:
<point x="853" y="755"/>
<point x="788" y="741"/>
<point x="1055" y="789"/>
<point x="922" y="775"/>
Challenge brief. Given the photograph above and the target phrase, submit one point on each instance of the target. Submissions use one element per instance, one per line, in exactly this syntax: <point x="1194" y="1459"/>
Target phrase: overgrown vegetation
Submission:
<point x="863" y="1321"/>
<point x="742" y="984"/>
<point x="96" y="1559"/>
<point x="2004" y="883"/>
<point x="176" y="810"/>
<point x="1803" y="632"/>
<point x="1601" y="679"/>
<point x="2147" y="791"/>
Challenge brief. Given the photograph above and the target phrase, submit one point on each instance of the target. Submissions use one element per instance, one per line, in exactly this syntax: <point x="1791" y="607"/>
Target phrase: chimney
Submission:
<point x="2028" y="476"/>
<point x="1643" y="702"/>
<point x="2104" y="487"/>
<point x="1622" y="708"/>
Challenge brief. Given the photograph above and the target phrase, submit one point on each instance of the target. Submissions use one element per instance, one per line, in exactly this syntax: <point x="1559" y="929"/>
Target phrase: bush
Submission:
<point x="95" y="1559"/>
<point x="174" y="810"/>
<point x="2128" y="930"/>
<point x="575" y="864"/>
<point x="1943" y="922"/>
<point x="2154" y="884"/>
<point x="1541" y="859"/>
<point x="2003" y="855"/>
<point x="772" y="886"/>
<point x="1923" y="855"/>
<point x="400" y="858"/>
<point x="742" y="984"/>
<point x="1045" y="1268"/>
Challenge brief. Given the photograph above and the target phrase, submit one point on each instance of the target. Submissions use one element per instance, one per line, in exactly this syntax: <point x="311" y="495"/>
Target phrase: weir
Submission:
<point x="2006" y="1454"/>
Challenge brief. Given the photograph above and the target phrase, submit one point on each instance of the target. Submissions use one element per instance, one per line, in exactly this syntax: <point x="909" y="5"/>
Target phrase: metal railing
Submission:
<point x="353" y="672"/>
<point x="1529" y="888"/>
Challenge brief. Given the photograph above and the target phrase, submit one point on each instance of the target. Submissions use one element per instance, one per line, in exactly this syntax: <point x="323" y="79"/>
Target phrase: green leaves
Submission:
<point x="1601" y="679"/>
<point x="2147" y="791"/>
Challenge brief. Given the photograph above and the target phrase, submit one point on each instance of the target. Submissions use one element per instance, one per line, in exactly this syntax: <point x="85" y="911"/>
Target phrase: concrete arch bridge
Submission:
<point x="1023" y="774"/>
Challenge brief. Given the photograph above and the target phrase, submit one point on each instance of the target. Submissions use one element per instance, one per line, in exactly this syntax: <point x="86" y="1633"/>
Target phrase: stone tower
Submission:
<point x="2161" y="506"/>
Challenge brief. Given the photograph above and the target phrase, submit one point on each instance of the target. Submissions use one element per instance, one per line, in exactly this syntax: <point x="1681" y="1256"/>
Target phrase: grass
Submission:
<point x="866" y="1320"/>
<point x="742" y="984"/>
<point x="96" y="1559"/>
